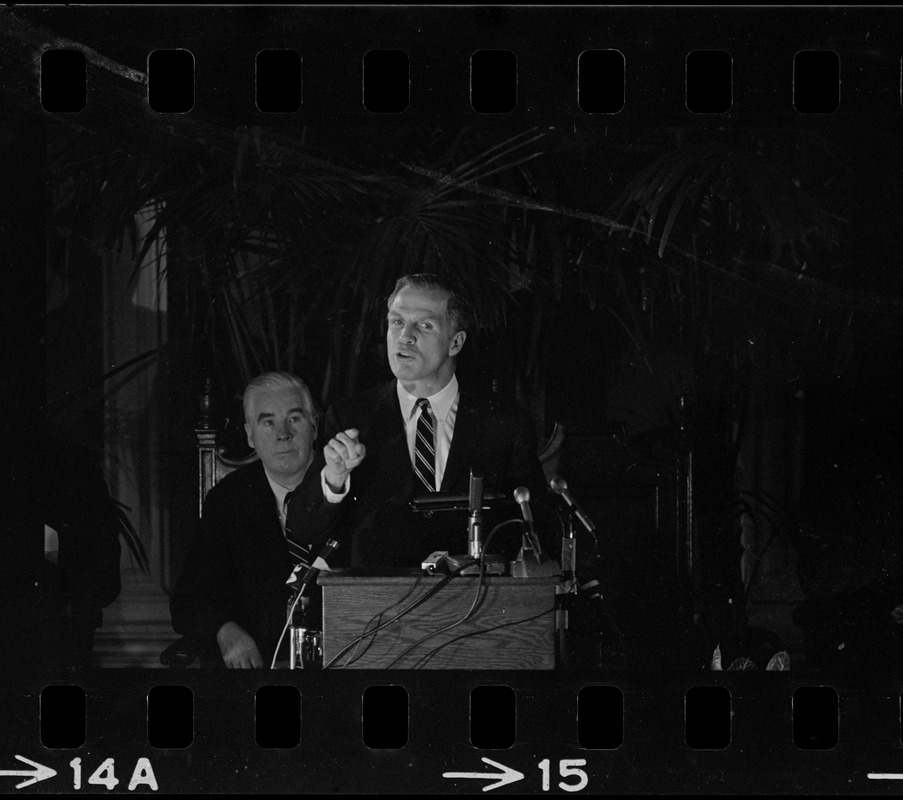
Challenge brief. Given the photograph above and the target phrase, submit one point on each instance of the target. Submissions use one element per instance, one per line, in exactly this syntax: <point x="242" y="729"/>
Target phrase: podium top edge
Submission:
<point x="405" y="577"/>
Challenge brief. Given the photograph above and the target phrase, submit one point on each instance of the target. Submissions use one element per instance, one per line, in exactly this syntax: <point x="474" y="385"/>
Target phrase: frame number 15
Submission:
<point x="568" y="768"/>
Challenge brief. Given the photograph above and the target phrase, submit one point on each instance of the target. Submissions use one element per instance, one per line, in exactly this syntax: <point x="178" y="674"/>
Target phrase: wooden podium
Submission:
<point x="513" y="627"/>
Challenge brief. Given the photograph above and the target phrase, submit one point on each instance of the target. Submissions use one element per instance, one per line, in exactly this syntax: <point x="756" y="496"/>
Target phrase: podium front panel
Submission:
<point x="512" y="627"/>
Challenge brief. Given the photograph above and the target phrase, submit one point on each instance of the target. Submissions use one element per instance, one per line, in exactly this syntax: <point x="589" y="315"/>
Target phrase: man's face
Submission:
<point x="281" y="430"/>
<point x="420" y="341"/>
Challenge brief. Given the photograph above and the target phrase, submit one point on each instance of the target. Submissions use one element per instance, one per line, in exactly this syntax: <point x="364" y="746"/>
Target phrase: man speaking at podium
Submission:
<point x="423" y="432"/>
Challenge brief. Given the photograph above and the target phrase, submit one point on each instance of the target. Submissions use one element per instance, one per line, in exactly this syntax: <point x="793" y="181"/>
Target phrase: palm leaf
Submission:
<point x="128" y="533"/>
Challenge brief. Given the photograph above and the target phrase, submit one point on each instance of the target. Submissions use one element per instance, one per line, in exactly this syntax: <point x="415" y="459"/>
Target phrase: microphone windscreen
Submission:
<point x="476" y="492"/>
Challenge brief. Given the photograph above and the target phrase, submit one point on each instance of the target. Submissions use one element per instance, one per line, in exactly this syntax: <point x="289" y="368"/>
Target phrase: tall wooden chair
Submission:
<point x="213" y="463"/>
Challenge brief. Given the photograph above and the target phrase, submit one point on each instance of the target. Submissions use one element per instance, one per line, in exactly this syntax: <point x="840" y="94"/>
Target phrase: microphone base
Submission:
<point x="530" y="568"/>
<point x="494" y="564"/>
<point x="305" y="648"/>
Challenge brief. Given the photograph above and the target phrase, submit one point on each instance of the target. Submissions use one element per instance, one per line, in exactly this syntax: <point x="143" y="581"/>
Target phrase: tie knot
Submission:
<point x="424" y="405"/>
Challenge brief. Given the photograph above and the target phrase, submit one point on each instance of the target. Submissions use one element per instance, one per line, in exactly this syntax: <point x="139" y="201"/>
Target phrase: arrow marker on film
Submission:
<point x="39" y="773"/>
<point x="506" y="776"/>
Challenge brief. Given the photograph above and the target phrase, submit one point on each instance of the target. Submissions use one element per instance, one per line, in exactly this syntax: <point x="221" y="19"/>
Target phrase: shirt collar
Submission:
<point x="440" y="403"/>
<point x="278" y="489"/>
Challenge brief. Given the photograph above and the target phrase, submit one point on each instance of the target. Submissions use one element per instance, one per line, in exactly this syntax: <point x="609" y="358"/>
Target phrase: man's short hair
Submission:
<point x="269" y="379"/>
<point x="460" y="313"/>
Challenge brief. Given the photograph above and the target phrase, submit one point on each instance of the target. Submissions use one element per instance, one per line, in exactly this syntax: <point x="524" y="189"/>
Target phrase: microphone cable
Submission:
<point x="422" y="661"/>
<point x="588" y="587"/>
<point x="312" y="571"/>
<point x="377" y="618"/>
<point x="288" y="618"/>
<point x="562" y="517"/>
<point x="477" y="601"/>
<point x="423" y="598"/>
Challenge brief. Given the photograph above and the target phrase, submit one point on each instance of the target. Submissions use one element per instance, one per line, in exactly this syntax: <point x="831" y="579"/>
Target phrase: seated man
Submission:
<point x="424" y="433"/>
<point x="233" y="587"/>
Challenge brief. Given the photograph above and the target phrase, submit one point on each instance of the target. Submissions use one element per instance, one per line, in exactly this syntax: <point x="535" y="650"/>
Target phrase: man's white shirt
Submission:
<point x="280" y="492"/>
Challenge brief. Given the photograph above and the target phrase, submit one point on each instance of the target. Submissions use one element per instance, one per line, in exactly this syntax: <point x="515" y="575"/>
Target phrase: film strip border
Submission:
<point x="767" y="747"/>
<point x="701" y="66"/>
<point x="430" y="733"/>
<point x="386" y="85"/>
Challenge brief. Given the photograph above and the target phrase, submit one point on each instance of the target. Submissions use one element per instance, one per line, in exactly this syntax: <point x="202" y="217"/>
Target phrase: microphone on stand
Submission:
<point x="305" y="640"/>
<point x="522" y="497"/>
<point x="530" y="561"/>
<point x="475" y="521"/>
<point x="567" y="589"/>
<point x="476" y="560"/>
<point x="319" y="563"/>
<point x="560" y="487"/>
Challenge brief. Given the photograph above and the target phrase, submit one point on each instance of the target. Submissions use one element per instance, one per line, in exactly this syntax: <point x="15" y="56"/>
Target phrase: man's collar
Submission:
<point x="440" y="402"/>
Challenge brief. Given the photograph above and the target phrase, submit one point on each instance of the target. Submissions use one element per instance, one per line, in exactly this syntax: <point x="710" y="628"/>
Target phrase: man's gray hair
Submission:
<point x="271" y="379"/>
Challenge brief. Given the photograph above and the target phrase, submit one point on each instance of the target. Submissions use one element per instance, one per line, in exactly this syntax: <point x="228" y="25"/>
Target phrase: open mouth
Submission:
<point x="404" y="356"/>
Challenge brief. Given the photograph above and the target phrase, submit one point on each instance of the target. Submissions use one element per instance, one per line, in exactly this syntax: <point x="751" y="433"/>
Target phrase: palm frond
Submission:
<point x="130" y="536"/>
<point x="752" y="186"/>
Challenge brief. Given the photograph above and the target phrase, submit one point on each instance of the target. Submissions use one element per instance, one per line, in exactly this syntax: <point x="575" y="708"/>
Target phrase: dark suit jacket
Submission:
<point x="499" y="444"/>
<point x="238" y="564"/>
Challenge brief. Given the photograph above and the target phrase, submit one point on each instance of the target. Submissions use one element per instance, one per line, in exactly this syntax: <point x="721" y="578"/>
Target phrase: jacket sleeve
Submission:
<point x="203" y="599"/>
<point x="314" y="514"/>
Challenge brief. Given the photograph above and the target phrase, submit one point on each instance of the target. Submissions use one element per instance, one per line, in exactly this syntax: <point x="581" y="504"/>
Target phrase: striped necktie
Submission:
<point x="300" y="554"/>
<point x="425" y="448"/>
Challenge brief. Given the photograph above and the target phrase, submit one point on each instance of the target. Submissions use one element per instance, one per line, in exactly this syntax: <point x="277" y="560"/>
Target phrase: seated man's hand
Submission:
<point x="238" y="649"/>
<point x="342" y="453"/>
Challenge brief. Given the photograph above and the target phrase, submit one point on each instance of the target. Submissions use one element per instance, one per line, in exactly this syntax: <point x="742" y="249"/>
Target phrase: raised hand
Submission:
<point x="342" y="453"/>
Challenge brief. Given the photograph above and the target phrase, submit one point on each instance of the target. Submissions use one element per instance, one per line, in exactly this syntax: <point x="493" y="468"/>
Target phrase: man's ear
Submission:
<point x="457" y="343"/>
<point x="248" y="434"/>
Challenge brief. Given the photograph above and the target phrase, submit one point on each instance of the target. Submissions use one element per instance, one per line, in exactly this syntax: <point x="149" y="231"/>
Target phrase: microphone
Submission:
<point x="522" y="497"/>
<point x="475" y="521"/>
<point x="539" y="566"/>
<point x="475" y="495"/>
<point x="560" y="487"/>
<point x="318" y="564"/>
<point x="592" y="588"/>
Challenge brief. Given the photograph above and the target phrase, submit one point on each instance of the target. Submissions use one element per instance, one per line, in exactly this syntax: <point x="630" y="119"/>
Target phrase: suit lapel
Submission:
<point x="389" y="426"/>
<point x="266" y="516"/>
<point x="468" y="429"/>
